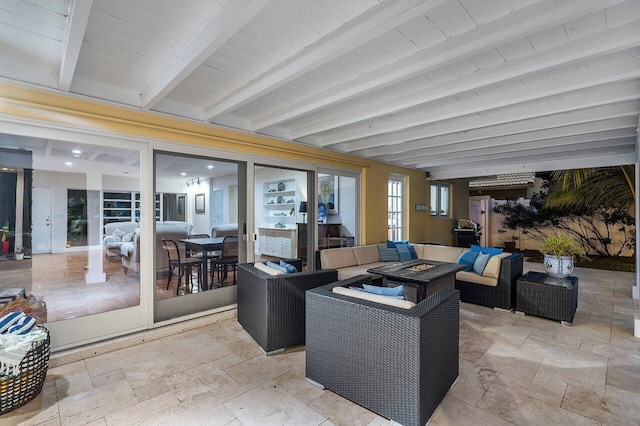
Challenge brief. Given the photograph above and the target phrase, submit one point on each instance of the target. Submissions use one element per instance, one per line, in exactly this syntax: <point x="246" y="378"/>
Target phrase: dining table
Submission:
<point x="206" y="246"/>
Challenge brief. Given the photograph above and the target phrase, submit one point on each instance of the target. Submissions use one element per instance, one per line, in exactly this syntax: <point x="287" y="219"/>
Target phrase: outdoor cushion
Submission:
<point x="267" y="269"/>
<point x="412" y="251"/>
<point x="480" y="263"/>
<point x="472" y="277"/>
<point x="352" y="271"/>
<point x="418" y="248"/>
<point x="403" y="252"/>
<point x="491" y="251"/>
<point x="366" y="254"/>
<point x="392" y="244"/>
<point x="290" y="268"/>
<point x="388" y="254"/>
<point x="405" y="304"/>
<point x="467" y="258"/>
<point x="276" y="266"/>
<point x="441" y="253"/>
<point x="337" y="258"/>
<point x="385" y="291"/>
<point x="493" y="266"/>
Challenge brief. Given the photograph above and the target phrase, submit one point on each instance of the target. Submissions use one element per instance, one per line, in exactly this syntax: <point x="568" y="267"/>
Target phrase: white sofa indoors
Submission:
<point x="495" y="287"/>
<point x="173" y="230"/>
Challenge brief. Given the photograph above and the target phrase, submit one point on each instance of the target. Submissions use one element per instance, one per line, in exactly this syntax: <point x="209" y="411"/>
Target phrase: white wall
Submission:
<point x="221" y="183"/>
<point x="346" y="205"/>
<point x="60" y="182"/>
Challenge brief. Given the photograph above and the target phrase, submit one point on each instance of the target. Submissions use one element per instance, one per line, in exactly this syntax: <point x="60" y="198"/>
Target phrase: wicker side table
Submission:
<point x="544" y="296"/>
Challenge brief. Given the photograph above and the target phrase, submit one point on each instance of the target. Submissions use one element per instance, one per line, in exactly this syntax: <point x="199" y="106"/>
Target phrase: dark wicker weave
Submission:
<point x="398" y="363"/>
<point x="501" y="296"/>
<point x="271" y="308"/>
<point x="15" y="391"/>
<point x="547" y="297"/>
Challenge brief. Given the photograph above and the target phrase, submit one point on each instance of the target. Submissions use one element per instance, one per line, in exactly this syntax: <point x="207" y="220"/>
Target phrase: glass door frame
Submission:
<point x="82" y="330"/>
<point x="228" y="295"/>
<point x="358" y="202"/>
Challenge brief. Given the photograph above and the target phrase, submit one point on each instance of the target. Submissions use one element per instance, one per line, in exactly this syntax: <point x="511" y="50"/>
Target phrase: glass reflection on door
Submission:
<point x="197" y="236"/>
<point x="280" y="213"/>
<point x="68" y="241"/>
<point x="336" y="209"/>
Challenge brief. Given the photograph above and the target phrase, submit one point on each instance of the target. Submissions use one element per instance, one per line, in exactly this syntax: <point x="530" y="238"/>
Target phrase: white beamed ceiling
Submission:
<point x="458" y="88"/>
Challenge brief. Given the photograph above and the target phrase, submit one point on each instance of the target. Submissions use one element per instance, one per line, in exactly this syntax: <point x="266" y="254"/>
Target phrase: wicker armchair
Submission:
<point x="501" y="296"/>
<point x="271" y="308"/>
<point x="398" y="363"/>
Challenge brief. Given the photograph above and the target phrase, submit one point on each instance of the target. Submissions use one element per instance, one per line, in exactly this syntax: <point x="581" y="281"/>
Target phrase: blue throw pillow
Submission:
<point x="491" y="251"/>
<point x="388" y="254"/>
<point x="290" y="268"/>
<point x="393" y="244"/>
<point x="277" y="266"/>
<point x="467" y="258"/>
<point x="480" y="263"/>
<point x="412" y="251"/>
<point x="385" y="291"/>
<point x="403" y="252"/>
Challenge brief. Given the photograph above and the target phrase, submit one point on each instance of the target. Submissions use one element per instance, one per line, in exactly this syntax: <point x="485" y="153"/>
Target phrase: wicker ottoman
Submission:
<point x="544" y="296"/>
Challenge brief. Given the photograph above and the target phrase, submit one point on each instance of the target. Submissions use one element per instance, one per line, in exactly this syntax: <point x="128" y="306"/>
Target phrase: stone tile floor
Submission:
<point x="514" y="369"/>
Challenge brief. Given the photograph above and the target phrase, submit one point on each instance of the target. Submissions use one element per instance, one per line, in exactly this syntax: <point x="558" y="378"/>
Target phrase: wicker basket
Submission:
<point x="16" y="391"/>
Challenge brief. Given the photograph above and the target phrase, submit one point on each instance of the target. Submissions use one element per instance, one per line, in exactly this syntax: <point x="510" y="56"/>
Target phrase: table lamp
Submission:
<point x="303" y="210"/>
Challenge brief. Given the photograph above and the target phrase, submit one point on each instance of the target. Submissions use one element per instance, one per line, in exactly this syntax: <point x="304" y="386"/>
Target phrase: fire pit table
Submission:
<point x="427" y="276"/>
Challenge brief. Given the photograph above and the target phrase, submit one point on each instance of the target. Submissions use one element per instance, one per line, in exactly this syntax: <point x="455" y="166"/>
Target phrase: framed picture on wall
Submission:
<point x="328" y="192"/>
<point x="199" y="203"/>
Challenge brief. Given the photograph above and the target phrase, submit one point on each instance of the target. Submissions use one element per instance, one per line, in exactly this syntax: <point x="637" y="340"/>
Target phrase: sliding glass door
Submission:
<point x="199" y="234"/>
<point x="280" y="213"/>
<point x="337" y="209"/>
<point x="64" y="238"/>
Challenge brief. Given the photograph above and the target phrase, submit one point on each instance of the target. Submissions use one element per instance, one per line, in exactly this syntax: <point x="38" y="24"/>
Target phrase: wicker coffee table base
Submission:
<point x="543" y="296"/>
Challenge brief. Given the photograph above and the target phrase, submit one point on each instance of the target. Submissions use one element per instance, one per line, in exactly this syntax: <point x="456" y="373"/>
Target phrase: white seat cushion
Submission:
<point x="405" y="304"/>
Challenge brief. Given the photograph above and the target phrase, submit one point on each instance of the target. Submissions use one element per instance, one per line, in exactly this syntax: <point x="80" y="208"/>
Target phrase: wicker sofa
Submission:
<point x="271" y="308"/>
<point x="398" y="363"/>
<point x="494" y="288"/>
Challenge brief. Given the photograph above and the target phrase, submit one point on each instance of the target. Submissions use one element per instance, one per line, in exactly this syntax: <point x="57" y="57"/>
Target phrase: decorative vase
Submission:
<point x="558" y="266"/>
<point x="510" y="246"/>
<point x="19" y="256"/>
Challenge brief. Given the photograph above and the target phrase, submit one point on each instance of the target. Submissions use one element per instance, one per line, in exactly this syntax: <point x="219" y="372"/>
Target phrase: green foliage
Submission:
<point x="561" y="245"/>
<point x="582" y="222"/>
<point x="600" y="187"/>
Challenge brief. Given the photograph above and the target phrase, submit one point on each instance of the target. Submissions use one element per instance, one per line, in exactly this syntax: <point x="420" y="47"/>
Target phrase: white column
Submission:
<point x="95" y="271"/>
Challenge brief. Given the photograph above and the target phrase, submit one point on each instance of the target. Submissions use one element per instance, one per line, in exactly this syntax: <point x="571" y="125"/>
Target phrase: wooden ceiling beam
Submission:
<point x="598" y="44"/>
<point x="362" y="29"/>
<point x="232" y="16"/>
<point x="436" y="148"/>
<point x="516" y="25"/>
<point x="528" y="98"/>
<point x="555" y="145"/>
<point x="77" y="21"/>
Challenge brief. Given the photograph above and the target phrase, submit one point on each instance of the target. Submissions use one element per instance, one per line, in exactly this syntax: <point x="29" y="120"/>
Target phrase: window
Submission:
<point x="395" y="210"/>
<point x="440" y="199"/>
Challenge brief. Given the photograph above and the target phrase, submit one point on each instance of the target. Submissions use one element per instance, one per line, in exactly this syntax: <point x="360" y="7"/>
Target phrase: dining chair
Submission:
<point x="185" y="265"/>
<point x="228" y="259"/>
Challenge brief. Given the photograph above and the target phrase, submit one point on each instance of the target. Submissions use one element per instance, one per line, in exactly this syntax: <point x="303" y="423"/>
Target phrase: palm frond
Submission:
<point x="606" y="186"/>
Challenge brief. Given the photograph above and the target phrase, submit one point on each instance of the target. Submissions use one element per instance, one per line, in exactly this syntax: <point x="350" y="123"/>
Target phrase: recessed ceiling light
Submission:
<point x="76" y="155"/>
<point x="68" y="163"/>
<point x="210" y="166"/>
<point x="76" y="152"/>
<point x="183" y="174"/>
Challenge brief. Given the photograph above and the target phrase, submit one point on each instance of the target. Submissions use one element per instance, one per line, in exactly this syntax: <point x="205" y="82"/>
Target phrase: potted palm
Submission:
<point x="559" y="254"/>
